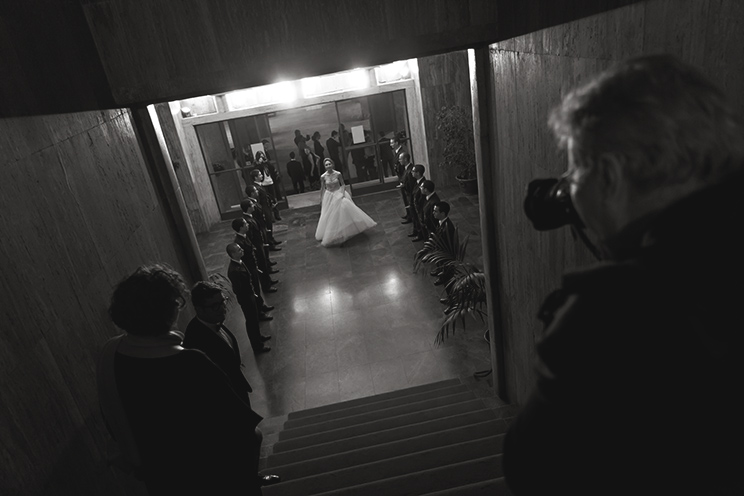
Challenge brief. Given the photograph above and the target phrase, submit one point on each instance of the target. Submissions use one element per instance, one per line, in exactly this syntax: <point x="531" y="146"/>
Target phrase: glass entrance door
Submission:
<point x="361" y="149"/>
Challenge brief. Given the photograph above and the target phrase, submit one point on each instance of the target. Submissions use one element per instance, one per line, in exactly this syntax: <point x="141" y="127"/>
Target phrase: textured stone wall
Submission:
<point x="530" y="74"/>
<point x="445" y="82"/>
<point x="78" y="212"/>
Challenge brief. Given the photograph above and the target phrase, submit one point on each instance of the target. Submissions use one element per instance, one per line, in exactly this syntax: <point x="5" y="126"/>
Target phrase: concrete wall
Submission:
<point x="445" y="82"/>
<point x="530" y="74"/>
<point x="78" y="212"/>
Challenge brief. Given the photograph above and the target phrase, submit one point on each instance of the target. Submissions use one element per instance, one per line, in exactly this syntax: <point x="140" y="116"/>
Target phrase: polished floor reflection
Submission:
<point x="352" y="321"/>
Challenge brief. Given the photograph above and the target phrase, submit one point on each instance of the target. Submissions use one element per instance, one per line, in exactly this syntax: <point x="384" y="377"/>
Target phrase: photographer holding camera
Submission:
<point x="639" y="369"/>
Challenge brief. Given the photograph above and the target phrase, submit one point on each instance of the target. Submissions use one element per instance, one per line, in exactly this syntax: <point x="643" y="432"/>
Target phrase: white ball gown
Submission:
<point x="340" y="218"/>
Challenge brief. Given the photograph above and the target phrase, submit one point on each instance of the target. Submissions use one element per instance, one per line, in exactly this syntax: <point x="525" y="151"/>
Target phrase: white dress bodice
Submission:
<point x="332" y="182"/>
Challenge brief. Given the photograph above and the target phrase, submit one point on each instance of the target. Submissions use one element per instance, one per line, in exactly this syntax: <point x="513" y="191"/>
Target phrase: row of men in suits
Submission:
<point x="251" y="267"/>
<point x="424" y="209"/>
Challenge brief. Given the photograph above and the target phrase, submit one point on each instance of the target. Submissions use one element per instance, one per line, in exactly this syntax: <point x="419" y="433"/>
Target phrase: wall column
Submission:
<point x="180" y="166"/>
<point x="487" y="164"/>
<point x="154" y="150"/>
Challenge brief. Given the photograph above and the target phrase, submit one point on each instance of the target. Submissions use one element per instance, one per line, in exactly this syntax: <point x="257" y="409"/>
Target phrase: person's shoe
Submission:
<point x="272" y="263"/>
<point x="444" y="301"/>
<point x="407" y="221"/>
<point x="270" y="290"/>
<point x="268" y="480"/>
<point x="276" y="243"/>
<point x="435" y="273"/>
<point x="262" y="349"/>
<point x="417" y="238"/>
<point x="265" y="317"/>
<point x="267" y="308"/>
<point x="273" y="271"/>
<point x="439" y="282"/>
<point x="412" y="235"/>
<point x="274" y="248"/>
<point x="265" y="338"/>
<point x="273" y="281"/>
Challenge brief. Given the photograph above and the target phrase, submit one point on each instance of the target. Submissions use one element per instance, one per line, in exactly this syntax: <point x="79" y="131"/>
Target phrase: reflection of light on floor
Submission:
<point x="393" y="286"/>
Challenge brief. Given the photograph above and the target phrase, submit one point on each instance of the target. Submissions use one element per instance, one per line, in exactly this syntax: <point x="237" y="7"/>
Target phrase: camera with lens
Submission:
<point x="548" y="204"/>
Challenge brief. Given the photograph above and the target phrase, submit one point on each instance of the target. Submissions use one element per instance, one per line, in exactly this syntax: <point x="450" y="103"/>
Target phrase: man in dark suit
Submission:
<point x="407" y="183"/>
<point x="387" y="157"/>
<point x="240" y="277"/>
<point x="444" y="229"/>
<point x="207" y="334"/>
<point x="333" y="145"/>
<point x="430" y="223"/>
<point x="258" y="192"/>
<point x="256" y="238"/>
<point x="240" y="226"/>
<point x="417" y="203"/>
<point x="294" y="169"/>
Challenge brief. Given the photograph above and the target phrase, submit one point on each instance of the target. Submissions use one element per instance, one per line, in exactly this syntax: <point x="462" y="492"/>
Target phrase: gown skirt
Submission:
<point x="340" y="218"/>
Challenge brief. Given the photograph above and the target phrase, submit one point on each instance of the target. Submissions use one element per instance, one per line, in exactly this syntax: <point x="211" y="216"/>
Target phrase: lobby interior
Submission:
<point x="94" y="189"/>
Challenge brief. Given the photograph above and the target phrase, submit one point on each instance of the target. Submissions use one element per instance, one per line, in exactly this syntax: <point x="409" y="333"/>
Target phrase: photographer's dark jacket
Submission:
<point x="640" y="367"/>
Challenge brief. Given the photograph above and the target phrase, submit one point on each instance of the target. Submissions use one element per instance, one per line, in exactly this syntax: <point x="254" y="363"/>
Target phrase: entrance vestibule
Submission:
<point x="221" y="139"/>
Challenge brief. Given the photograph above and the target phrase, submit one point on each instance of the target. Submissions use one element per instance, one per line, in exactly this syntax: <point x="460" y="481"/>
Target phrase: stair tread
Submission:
<point x="392" y="449"/>
<point x="373" y="398"/>
<point x="390" y="467"/>
<point x="375" y="406"/>
<point x="422" y="482"/>
<point x="491" y="487"/>
<point x="377" y="425"/>
<point x="375" y="438"/>
<point x="363" y="417"/>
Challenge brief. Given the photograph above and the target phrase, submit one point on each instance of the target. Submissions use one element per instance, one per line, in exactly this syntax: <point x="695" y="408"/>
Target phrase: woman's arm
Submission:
<point x="322" y="188"/>
<point x="341" y="182"/>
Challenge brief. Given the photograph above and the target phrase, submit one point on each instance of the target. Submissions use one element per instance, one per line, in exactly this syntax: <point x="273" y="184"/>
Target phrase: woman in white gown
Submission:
<point x="340" y="218"/>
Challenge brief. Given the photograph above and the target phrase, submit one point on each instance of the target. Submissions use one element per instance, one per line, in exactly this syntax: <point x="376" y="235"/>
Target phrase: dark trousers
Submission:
<point x="250" y="312"/>
<point x="406" y="203"/>
<point x="299" y="185"/>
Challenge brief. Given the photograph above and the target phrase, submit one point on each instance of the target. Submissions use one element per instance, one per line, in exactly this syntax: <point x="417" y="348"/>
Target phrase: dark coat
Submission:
<point x="430" y="223"/>
<point x="242" y="284"/>
<point x="409" y="182"/>
<point x="627" y="344"/>
<point x="446" y="228"/>
<point x="334" y="151"/>
<point x="294" y="170"/>
<point x="187" y="419"/>
<point x="225" y="356"/>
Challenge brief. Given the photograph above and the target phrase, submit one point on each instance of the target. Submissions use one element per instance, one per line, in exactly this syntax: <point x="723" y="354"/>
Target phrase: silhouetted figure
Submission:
<point x="655" y="174"/>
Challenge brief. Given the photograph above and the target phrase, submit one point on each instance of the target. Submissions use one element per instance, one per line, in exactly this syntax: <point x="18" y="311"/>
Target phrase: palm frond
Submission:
<point x="467" y="296"/>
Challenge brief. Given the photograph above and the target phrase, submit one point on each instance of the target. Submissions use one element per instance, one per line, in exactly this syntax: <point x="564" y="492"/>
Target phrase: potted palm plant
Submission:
<point x="455" y="132"/>
<point x="466" y="288"/>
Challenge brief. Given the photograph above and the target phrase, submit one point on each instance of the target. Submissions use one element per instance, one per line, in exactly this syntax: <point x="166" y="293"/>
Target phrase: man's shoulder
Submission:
<point x="194" y="330"/>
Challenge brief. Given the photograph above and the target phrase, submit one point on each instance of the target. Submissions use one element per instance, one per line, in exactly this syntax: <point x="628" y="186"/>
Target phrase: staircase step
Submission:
<point x="375" y="438"/>
<point x="491" y="487"/>
<point x="306" y="468"/>
<point x="380" y="404"/>
<point x="372" y="399"/>
<point x="426" y="481"/>
<point x="387" y="468"/>
<point x="362" y="417"/>
<point x="378" y="425"/>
